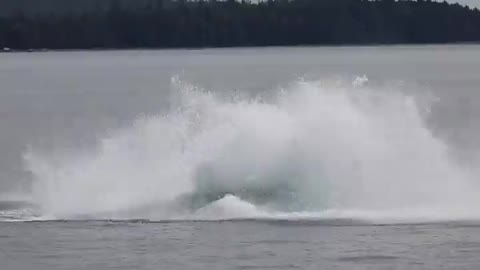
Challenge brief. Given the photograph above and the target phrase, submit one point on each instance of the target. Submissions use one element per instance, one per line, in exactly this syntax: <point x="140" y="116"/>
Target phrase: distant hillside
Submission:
<point x="74" y="24"/>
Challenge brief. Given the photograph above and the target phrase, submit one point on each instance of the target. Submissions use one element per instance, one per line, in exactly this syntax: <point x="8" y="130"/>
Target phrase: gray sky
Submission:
<point x="471" y="3"/>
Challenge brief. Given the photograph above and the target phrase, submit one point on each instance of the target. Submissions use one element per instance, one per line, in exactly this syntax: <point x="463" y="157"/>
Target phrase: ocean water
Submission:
<point x="272" y="158"/>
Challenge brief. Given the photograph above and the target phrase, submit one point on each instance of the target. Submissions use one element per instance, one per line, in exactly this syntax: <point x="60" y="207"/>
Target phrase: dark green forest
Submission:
<point x="88" y="24"/>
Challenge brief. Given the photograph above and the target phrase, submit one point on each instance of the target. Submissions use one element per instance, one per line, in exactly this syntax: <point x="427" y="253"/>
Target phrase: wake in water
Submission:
<point x="315" y="150"/>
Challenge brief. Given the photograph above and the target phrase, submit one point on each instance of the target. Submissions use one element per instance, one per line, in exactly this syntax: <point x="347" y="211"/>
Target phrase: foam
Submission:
<point x="318" y="149"/>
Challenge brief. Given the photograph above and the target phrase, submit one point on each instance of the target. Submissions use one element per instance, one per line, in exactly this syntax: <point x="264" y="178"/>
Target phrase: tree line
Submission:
<point x="201" y="23"/>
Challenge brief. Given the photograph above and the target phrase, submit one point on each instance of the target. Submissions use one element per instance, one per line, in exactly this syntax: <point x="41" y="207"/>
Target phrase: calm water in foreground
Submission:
<point x="274" y="158"/>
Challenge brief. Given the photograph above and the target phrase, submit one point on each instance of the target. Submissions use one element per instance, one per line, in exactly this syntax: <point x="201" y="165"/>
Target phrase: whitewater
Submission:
<point x="314" y="150"/>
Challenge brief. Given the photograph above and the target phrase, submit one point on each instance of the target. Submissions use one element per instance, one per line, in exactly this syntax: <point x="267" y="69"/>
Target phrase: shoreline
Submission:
<point x="44" y="50"/>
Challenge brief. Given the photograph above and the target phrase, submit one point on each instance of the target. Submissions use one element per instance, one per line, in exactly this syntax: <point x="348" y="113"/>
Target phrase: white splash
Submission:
<point x="317" y="149"/>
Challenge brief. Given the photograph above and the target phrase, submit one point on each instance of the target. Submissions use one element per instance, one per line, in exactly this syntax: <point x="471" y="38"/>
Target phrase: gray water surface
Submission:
<point x="68" y="100"/>
<point x="236" y="245"/>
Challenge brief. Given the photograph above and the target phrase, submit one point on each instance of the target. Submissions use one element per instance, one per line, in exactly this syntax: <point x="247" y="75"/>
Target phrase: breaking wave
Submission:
<point x="315" y="150"/>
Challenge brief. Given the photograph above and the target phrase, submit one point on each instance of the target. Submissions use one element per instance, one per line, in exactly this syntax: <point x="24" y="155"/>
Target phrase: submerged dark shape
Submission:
<point x="273" y="191"/>
<point x="279" y="197"/>
<point x="72" y="24"/>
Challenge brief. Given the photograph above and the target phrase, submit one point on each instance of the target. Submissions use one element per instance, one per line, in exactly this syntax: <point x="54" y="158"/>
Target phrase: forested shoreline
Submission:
<point x="196" y="24"/>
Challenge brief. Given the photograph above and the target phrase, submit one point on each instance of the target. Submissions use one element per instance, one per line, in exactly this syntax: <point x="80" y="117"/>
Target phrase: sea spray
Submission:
<point x="316" y="149"/>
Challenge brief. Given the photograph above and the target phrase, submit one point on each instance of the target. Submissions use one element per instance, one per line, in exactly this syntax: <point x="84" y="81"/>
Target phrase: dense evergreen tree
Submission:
<point x="215" y="23"/>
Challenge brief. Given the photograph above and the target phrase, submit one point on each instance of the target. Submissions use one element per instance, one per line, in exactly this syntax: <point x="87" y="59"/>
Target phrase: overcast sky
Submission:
<point x="471" y="3"/>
